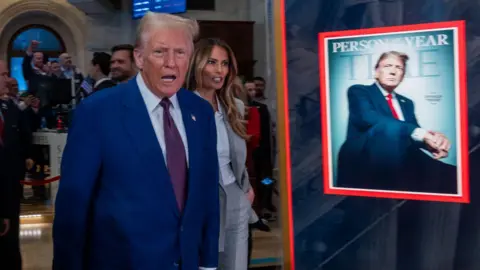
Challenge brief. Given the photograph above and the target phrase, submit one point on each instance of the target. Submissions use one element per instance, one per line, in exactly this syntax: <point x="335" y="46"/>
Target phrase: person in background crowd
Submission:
<point x="55" y="70"/>
<point x="29" y="106"/>
<point x="259" y="89"/>
<point x="12" y="86"/>
<point x="142" y="147"/>
<point x="25" y="102"/>
<point x="122" y="66"/>
<point x="99" y="70"/>
<point x="33" y="62"/>
<point x="15" y="140"/>
<point x="66" y="66"/>
<point x="69" y="70"/>
<point x="211" y="75"/>
<point x="262" y="155"/>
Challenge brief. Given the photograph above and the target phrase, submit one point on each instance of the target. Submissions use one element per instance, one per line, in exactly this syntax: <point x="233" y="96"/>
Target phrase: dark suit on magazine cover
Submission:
<point x="379" y="152"/>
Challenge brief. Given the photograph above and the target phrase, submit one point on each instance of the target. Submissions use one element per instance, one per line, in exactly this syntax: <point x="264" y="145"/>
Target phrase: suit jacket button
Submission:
<point x="181" y="228"/>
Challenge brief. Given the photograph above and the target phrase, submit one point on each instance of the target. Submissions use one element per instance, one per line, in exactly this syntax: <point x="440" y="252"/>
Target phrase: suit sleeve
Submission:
<point x="365" y="116"/>
<point x="209" y="247"/>
<point x="80" y="169"/>
<point x="27" y="67"/>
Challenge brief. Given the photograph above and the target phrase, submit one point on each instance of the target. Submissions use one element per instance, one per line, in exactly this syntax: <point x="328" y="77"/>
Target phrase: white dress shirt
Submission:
<point x="97" y="83"/>
<point x="223" y="146"/>
<point x="418" y="134"/>
<point x="155" y="111"/>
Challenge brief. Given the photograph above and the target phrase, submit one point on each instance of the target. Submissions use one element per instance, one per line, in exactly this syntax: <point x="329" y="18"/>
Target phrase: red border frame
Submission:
<point x="464" y="151"/>
<point x="283" y="114"/>
<point x="286" y="118"/>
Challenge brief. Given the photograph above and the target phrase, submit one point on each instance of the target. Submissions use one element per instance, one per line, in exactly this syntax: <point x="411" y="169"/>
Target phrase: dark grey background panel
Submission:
<point x="353" y="233"/>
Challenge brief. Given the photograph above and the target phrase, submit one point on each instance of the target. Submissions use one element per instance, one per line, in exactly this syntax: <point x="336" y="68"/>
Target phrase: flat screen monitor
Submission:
<point x="51" y="91"/>
<point x="140" y="7"/>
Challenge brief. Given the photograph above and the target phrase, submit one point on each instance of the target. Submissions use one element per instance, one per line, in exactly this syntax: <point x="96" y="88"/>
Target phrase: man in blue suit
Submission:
<point x="139" y="187"/>
<point x="384" y="140"/>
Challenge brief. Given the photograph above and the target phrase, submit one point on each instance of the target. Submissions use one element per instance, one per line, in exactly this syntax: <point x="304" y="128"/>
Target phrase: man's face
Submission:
<point x="121" y="66"/>
<point x="389" y="72"/>
<point x="250" y="87"/>
<point x="260" y="87"/>
<point x="55" y="68"/>
<point x="65" y="60"/>
<point x="38" y="59"/>
<point x="164" y="60"/>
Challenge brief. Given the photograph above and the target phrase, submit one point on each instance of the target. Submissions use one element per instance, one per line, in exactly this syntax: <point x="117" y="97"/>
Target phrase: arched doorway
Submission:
<point x="51" y="44"/>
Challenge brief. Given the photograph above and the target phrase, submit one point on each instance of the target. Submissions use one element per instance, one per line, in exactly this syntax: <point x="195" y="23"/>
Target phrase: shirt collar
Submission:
<point x="220" y="107"/>
<point x="151" y="100"/>
<point x="100" y="81"/>
<point x="385" y="92"/>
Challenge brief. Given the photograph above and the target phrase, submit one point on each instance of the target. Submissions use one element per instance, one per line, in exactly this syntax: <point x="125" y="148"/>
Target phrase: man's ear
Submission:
<point x="376" y="74"/>
<point x="138" y="54"/>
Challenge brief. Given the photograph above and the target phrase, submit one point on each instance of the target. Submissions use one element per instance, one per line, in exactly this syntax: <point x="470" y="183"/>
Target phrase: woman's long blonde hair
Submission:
<point x="203" y="50"/>
<point x="239" y="90"/>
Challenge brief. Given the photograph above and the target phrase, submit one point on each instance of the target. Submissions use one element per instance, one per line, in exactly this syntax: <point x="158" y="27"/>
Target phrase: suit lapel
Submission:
<point x="406" y="110"/>
<point x="231" y="143"/>
<point x="232" y="139"/>
<point x="380" y="100"/>
<point x="235" y="144"/>
<point x="192" y="128"/>
<point x="139" y="127"/>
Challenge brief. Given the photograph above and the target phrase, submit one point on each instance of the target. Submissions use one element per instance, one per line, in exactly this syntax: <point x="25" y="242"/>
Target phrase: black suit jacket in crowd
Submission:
<point x="104" y="85"/>
<point x="16" y="148"/>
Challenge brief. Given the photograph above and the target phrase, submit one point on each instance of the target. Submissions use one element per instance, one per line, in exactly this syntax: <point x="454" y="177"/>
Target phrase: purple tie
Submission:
<point x="176" y="157"/>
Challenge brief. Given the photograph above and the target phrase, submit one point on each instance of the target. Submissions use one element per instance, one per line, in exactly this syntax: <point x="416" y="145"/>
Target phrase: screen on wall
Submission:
<point x="141" y="7"/>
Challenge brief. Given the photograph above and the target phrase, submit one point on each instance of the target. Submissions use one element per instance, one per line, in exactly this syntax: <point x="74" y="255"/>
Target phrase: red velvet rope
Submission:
<point x="40" y="182"/>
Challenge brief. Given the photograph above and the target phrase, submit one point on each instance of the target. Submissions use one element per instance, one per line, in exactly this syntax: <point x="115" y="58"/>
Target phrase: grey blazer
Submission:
<point x="238" y="151"/>
<point x="238" y="156"/>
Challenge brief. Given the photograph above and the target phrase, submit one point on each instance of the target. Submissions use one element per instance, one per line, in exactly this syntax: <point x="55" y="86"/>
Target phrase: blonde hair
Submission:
<point x="239" y="91"/>
<point x="226" y="95"/>
<point x="153" y="21"/>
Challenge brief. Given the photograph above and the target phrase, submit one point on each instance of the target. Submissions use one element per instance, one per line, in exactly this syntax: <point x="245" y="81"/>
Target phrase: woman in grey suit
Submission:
<point x="213" y="69"/>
